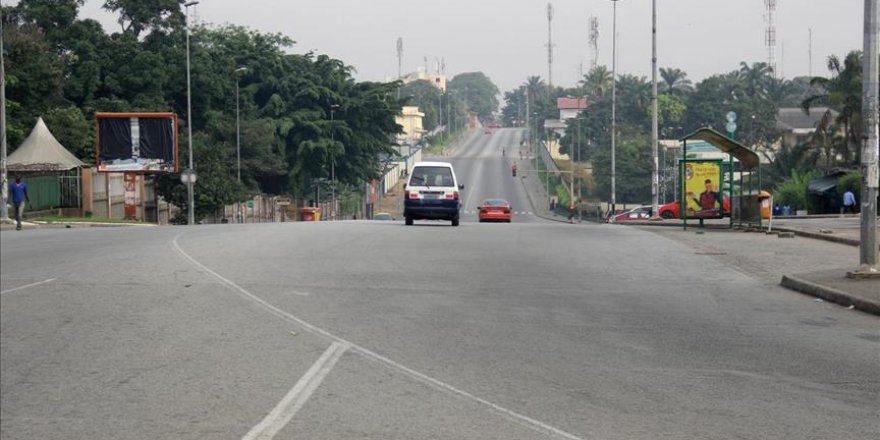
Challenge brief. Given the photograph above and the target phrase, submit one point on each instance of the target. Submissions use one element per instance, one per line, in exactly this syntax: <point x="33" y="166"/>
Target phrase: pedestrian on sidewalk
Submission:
<point x="18" y="189"/>
<point x="849" y="202"/>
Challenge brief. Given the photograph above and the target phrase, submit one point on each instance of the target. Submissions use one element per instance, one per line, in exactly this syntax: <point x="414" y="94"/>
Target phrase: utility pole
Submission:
<point x="190" y="183"/>
<point x="870" y="146"/>
<point x="655" y="172"/>
<point x="4" y="209"/>
<point x="333" y="108"/>
<point x="613" y="107"/>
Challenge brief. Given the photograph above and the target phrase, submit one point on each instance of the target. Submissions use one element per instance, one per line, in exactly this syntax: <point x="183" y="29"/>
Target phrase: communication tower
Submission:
<point x="770" y="33"/>
<point x="594" y="42"/>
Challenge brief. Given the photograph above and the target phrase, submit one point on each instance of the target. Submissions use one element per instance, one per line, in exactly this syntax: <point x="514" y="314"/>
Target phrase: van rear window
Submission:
<point x="431" y="176"/>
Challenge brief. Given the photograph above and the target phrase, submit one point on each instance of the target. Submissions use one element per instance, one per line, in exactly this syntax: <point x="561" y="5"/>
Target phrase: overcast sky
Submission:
<point x="506" y="39"/>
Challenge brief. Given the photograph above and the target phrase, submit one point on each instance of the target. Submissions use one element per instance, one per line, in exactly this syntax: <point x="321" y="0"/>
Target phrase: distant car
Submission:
<point x="487" y="131"/>
<point x="494" y="125"/>
<point x="671" y="210"/>
<point x="634" y="214"/>
<point x="383" y="216"/>
<point x="495" y="210"/>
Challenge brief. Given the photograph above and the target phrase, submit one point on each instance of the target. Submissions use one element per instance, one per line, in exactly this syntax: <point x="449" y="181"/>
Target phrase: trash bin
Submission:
<point x="766" y="204"/>
<point x="309" y="214"/>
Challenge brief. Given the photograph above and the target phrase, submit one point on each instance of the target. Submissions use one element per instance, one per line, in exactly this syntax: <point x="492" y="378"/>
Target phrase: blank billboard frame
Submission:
<point x="157" y="153"/>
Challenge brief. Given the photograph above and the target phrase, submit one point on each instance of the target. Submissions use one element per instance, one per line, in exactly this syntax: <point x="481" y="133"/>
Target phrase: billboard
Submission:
<point x="137" y="142"/>
<point x="701" y="188"/>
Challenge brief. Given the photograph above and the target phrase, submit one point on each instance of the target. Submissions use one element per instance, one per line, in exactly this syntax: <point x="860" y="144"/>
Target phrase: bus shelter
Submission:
<point x="744" y="196"/>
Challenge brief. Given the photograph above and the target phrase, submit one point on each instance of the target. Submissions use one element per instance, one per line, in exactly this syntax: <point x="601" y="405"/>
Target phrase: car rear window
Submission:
<point x="495" y="203"/>
<point x="431" y="176"/>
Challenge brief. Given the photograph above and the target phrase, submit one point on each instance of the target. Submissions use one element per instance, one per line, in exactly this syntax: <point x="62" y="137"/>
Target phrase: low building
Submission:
<point x="569" y="108"/>
<point x="438" y="80"/>
<point x="410" y="119"/>
<point x="796" y="126"/>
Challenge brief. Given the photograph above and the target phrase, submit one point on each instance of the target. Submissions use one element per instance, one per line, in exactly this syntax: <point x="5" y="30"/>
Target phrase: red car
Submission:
<point x="495" y="210"/>
<point x="671" y="210"/>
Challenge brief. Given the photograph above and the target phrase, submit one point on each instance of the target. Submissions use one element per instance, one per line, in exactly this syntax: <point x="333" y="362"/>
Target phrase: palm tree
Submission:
<point x="597" y="83"/>
<point x="755" y="78"/>
<point x="675" y="81"/>
<point x="843" y="92"/>
<point x="786" y="161"/>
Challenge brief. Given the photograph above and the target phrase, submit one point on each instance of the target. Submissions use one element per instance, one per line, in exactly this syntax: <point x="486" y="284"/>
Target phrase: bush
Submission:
<point x="794" y="191"/>
<point x="851" y="181"/>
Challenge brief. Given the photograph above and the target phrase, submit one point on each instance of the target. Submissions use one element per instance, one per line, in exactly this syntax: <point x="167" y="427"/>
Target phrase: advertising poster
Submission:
<point x="130" y="186"/>
<point x="702" y="188"/>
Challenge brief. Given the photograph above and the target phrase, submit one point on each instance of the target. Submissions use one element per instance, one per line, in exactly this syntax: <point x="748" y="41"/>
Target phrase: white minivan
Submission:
<point x="432" y="193"/>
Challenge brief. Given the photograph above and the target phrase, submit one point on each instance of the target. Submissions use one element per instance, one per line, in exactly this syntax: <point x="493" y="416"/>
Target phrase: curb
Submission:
<point x="819" y="236"/>
<point x="829" y="294"/>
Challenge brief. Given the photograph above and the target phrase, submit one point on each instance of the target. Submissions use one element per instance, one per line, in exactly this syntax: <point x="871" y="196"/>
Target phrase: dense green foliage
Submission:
<point x="65" y="69"/>
<point x="751" y="91"/>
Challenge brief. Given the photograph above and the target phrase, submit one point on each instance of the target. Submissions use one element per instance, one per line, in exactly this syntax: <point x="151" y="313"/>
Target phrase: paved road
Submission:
<point x="354" y="330"/>
<point x="483" y="164"/>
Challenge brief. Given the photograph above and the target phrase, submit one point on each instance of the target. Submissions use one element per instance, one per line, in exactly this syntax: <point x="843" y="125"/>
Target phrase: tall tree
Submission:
<point x="842" y="91"/>
<point x="482" y="93"/>
<point x="675" y="81"/>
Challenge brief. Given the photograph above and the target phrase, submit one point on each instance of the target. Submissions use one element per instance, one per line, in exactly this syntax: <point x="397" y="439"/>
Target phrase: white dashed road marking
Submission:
<point x="294" y="400"/>
<point x="26" y="286"/>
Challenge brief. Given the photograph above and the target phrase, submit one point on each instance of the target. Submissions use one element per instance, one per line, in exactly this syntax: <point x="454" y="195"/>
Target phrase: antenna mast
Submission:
<point x="550" y="46"/>
<point x="399" y="57"/>
<point x="770" y="34"/>
<point x="594" y="42"/>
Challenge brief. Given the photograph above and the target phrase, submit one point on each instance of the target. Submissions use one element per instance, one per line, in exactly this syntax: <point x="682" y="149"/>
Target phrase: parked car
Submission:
<point x="671" y="210"/>
<point x="634" y="214"/>
<point x="495" y="210"/>
<point x="432" y="193"/>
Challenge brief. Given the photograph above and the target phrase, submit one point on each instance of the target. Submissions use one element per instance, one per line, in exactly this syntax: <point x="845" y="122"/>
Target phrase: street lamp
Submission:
<point x="333" y="108"/>
<point x="190" y="182"/>
<point x="655" y="136"/>
<point x="4" y="209"/>
<point x="238" y="122"/>
<point x="614" y="107"/>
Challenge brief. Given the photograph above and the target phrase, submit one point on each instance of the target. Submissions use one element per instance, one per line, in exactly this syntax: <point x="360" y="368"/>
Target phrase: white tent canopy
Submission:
<point x="42" y="152"/>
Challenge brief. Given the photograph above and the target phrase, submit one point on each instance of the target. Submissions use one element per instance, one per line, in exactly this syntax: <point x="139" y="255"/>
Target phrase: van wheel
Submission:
<point x="409" y="221"/>
<point x="455" y="221"/>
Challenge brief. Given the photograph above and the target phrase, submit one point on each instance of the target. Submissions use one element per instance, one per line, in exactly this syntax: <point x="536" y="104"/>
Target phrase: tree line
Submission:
<point x="301" y="114"/>
<point x="752" y="91"/>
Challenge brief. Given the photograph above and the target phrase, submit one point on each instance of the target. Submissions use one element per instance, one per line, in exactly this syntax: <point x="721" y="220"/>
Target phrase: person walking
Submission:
<point x="19" y="193"/>
<point x="849" y="202"/>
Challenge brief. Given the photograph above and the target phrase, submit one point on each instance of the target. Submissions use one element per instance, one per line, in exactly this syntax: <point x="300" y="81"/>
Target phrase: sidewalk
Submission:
<point x="802" y="265"/>
<point x="536" y="192"/>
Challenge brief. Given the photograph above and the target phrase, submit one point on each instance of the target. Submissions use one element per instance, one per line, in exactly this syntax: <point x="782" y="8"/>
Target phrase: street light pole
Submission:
<point x="655" y="135"/>
<point x="4" y="209"/>
<point x="190" y="197"/>
<point x="333" y="108"/>
<point x="614" y="107"/>
<point x="238" y="123"/>
<point x="870" y="145"/>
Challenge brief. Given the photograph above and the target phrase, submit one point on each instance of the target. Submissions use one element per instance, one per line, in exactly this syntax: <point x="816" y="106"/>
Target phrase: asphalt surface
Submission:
<point x="375" y="330"/>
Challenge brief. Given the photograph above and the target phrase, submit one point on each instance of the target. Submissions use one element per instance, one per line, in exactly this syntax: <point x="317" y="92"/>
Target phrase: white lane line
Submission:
<point x="511" y="415"/>
<point x="294" y="400"/>
<point x="26" y="286"/>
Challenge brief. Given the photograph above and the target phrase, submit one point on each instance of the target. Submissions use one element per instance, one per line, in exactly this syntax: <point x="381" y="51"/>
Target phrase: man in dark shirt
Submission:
<point x="18" y="190"/>
<point x="709" y="197"/>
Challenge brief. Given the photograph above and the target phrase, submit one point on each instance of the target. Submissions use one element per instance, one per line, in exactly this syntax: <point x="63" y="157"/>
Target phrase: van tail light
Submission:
<point x="412" y="195"/>
<point x="453" y="196"/>
<point x="507" y="210"/>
